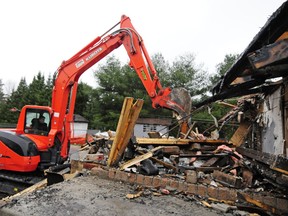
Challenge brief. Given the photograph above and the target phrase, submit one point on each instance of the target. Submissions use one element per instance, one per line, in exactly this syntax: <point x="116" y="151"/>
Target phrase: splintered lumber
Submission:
<point x="189" y="130"/>
<point x="249" y="199"/>
<point x="241" y="133"/>
<point x="175" y="141"/>
<point x="126" y="123"/>
<point x="167" y="165"/>
<point x="139" y="158"/>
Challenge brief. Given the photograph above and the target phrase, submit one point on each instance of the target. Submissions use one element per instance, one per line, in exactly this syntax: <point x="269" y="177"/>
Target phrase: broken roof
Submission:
<point x="263" y="59"/>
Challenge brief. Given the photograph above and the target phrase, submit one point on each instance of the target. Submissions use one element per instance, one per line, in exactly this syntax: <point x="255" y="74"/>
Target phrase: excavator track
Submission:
<point x="14" y="182"/>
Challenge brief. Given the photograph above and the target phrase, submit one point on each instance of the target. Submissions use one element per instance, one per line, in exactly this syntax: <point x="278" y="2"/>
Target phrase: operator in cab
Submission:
<point x="42" y="125"/>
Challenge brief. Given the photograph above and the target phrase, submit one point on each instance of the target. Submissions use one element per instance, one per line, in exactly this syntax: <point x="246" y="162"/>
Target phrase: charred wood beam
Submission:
<point x="271" y="167"/>
<point x="276" y="25"/>
<point x="174" y="141"/>
<point x="236" y="91"/>
<point x="271" y="72"/>
<point x="256" y="155"/>
<point x="276" y="162"/>
<point x="205" y="155"/>
<point x="270" y="54"/>
<point x="273" y="177"/>
<point x="268" y="72"/>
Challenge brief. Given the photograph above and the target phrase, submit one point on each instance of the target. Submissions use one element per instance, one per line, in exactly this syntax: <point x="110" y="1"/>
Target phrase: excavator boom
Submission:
<point x="69" y="72"/>
<point x="52" y="146"/>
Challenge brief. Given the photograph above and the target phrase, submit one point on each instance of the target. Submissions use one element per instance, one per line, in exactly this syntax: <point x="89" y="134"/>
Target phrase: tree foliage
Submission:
<point x="102" y="105"/>
<point x="223" y="67"/>
<point x="83" y="100"/>
<point x="1" y="92"/>
<point x="116" y="82"/>
<point x="185" y="73"/>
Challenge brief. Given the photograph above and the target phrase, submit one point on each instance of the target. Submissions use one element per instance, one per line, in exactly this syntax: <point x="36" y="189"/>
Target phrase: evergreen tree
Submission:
<point x="162" y="68"/>
<point x="2" y="101"/>
<point x="49" y="88"/>
<point x="83" y="98"/>
<point x="185" y="73"/>
<point x="17" y="100"/>
<point x="115" y="83"/>
<point x="223" y="67"/>
<point x="38" y="94"/>
<point x="2" y="98"/>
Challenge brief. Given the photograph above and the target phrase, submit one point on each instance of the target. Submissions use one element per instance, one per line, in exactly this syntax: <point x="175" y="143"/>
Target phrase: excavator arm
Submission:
<point x="69" y="72"/>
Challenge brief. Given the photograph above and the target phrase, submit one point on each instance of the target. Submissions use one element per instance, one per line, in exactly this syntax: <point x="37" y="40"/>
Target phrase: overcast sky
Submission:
<point x="38" y="35"/>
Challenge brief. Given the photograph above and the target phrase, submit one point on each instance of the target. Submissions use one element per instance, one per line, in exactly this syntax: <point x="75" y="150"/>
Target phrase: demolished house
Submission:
<point x="260" y="76"/>
<point x="252" y="165"/>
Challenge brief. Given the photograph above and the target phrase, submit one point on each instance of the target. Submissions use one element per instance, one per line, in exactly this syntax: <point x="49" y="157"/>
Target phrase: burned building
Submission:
<point x="259" y="78"/>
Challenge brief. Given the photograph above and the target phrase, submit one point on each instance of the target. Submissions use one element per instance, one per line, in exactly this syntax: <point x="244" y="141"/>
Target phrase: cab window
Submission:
<point x="37" y="122"/>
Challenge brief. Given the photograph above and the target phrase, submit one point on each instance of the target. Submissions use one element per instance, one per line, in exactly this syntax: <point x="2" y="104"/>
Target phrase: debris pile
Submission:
<point x="193" y="159"/>
<point x="213" y="164"/>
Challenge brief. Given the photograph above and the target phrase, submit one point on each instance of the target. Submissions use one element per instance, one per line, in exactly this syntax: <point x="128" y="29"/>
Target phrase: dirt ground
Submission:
<point x="91" y="195"/>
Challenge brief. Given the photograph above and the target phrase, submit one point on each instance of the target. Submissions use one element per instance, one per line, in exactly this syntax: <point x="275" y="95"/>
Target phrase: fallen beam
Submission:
<point x="175" y="141"/>
<point x="126" y="123"/>
<point x="139" y="158"/>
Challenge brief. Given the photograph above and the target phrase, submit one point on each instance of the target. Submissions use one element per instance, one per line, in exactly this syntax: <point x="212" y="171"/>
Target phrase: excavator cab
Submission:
<point x="37" y="121"/>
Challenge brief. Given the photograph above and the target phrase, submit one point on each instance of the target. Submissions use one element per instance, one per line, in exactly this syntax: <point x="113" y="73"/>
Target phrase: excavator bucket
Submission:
<point x="180" y="102"/>
<point x="55" y="174"/>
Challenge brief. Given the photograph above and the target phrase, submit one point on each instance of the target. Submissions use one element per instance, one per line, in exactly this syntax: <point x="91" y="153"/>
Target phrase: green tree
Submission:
<point x="162" y="68"/>
<point x="2" y="101"/>
<point x="17" y="99"/>
<point x="83" y="99"/>
<point x="115" y="83"/>
<point x="38" y="91"/>
<point x="223" y="67"/>
<point x="49" y="88"/>
<point x="2" y="98"/>
<point x="185" y="73"/>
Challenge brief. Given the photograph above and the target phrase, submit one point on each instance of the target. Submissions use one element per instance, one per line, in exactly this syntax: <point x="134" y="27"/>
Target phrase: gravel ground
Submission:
<point x="91" y="195"/>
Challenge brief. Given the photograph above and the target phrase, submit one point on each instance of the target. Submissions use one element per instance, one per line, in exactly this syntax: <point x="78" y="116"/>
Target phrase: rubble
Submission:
<point x="204" y="167"/>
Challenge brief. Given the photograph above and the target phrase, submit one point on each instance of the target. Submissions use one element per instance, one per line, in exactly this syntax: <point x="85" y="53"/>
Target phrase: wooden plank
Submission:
<point x="167" y="165"/>
<point x="120" y="129"/>
<point x="139" y="158"/>
<point x="240" y="134"/>
<point x="262" y="157"/>
<point x="210" y="162"/>
<point x="247" y="198"/>
<point x="267" y="55"/>
<point x="133" y="116"/>
<point x="175" y="141"/>
<point x="126" y="123"/>
<point x="189" y="131"/>
<point x="34" y="187"/>
<point x="280" y="164"/>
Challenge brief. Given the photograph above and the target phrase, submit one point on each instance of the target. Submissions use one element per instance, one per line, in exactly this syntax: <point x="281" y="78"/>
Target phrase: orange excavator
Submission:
<point x="28" y="147"/>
